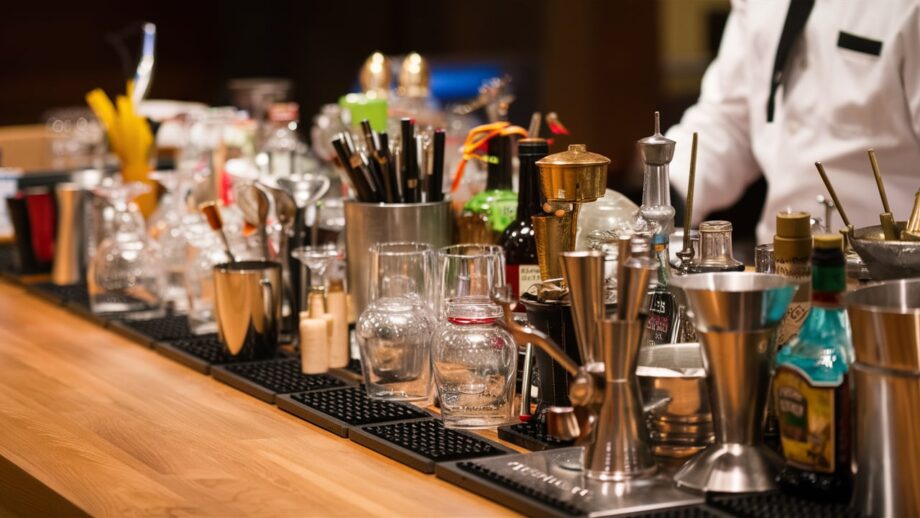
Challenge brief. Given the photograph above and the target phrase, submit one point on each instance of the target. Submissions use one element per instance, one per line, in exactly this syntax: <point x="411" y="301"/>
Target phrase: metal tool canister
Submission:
<point x="69" y="262"/>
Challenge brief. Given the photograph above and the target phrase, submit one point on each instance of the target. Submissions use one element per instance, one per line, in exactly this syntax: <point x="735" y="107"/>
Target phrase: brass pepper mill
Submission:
<point x="567" y="180"/>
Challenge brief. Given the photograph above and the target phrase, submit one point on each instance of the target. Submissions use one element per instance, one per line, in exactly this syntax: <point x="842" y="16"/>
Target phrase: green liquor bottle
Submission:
<point x="495" y="207"/>
<point x="811" y="387"/>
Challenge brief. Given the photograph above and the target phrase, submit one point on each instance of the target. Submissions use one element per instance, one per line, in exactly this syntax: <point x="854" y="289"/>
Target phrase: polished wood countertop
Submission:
<point x="92" y="422"/>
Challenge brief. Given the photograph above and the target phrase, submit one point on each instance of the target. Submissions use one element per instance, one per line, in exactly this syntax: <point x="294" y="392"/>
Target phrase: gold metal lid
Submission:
<point x="576" y="156"/>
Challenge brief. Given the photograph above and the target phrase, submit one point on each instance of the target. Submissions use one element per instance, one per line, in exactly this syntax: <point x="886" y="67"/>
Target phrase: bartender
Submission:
<point x="801" y="81"/>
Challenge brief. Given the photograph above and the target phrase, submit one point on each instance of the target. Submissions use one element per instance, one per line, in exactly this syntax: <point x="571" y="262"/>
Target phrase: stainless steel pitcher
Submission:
<point x="248" y="307"/>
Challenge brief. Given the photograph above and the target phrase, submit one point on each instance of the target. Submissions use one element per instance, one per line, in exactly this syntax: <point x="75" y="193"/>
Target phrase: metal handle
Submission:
<point x="268" y="305"/>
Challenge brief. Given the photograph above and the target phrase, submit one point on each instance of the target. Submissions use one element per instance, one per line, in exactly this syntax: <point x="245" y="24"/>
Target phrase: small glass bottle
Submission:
<point x="283" y="148"/>
<point x="474" y="364"/>
<point x="792" y="259"/>
<point x="811" y="387"/>
<point x="716" y="249"/>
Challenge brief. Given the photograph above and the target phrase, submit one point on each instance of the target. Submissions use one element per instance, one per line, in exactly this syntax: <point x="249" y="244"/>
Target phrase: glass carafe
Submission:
<point x="125" y="274"/>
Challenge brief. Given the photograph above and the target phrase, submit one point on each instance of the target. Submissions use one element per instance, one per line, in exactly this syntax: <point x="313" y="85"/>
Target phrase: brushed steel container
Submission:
<point x="69" y="261"/>
<point x="369" y="223"/>
<point x="248" y="307"/>
<point x="885" y="319"/>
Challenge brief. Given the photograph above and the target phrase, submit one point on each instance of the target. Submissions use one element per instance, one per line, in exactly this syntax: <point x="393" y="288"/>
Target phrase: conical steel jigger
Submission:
<point x="605" y="391"/>
<point x="736" y="316"/>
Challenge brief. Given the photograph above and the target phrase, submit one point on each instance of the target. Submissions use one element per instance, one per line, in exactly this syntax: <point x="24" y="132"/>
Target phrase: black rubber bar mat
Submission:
<point x="778" y="505"/>
<point x="496" y="487"/>
<point x="266" y="378"/>
<point x="199" y="352"/>
<point x="341" y="409"/>
<point x="422" y="444"/>
<point x="147" y="332"/>
<point x="531" y="435"/>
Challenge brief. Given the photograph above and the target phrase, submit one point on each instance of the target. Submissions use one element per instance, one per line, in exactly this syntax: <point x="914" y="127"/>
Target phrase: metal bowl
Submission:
<point x="887" y="260"/>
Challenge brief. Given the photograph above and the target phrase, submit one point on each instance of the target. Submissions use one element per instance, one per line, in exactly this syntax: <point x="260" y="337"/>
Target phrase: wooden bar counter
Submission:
<point x="93" y="423"/>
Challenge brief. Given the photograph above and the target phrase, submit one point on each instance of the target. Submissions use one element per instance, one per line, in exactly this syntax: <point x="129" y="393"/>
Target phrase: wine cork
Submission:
<point x="338" y="344"/>
<point x="314" y="335"/>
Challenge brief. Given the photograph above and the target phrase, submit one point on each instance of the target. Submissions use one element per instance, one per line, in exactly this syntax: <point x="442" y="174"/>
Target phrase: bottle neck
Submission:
<point x="530" y="196"/>
<point x="500" y="163"/>
<point x="828" y="278"/>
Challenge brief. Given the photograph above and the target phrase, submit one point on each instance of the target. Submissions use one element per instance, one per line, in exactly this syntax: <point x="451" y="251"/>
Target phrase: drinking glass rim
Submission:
<point x="419" y="248"/>
<point x="485" y="250"/>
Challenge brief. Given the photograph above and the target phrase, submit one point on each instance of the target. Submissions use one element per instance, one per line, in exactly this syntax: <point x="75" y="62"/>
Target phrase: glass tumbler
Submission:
<point x="468" y="270"/>
<point x="395" y="331"/>
<point x="474" y="364"/>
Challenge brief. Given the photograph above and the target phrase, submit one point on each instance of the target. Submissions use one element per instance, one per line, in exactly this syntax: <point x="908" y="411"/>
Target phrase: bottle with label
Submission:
<point x="811" y="389"/>
<point x="792" y="259"/>
<point x="522" y="267"/>
<point x="656" y="216"/>
<point x="487" y="214"/>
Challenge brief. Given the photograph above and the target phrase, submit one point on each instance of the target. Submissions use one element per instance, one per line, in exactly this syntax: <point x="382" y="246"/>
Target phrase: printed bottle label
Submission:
<point x="799" y="271"/>
<point x="807" y="420"/>
<point x="522" y="277"/>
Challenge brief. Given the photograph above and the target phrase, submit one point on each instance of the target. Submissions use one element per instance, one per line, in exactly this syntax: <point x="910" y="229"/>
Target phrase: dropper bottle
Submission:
<point x="656" y="217"/>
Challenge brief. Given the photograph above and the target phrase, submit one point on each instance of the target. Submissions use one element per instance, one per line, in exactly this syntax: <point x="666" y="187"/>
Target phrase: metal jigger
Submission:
<point x="736" y="316"/>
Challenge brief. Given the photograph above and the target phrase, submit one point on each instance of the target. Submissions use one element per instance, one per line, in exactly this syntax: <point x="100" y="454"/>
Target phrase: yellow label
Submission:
<point x="806" y="421"/>
<point x="528" y="276"/>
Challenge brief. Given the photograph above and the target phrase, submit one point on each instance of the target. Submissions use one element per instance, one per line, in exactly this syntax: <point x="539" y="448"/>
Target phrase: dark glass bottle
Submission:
<point x="522" y="268"/>
<point x="811" y="387"/>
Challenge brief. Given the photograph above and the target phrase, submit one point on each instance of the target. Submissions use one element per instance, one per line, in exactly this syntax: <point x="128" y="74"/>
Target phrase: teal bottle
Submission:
<point x="811" y="387"/>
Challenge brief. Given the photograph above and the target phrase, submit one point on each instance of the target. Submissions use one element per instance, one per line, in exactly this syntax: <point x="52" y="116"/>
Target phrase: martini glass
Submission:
<point x="125" y="273"/>
<point x="314" y="261"/>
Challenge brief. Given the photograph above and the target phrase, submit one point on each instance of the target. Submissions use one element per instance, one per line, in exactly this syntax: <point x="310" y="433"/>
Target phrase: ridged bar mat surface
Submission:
<point x="61" y="294"/>
<point x="531" y="435"/>
<point x="556" y="505"/>
<point x="338" y="410"/>
<point x="264" y="379"/>
<point x="161" y="329"/>
<point x="779" y="504"/>
<point x="422" y="444"/>
<point x="9" y="260"/>
<point x="199" y="352"/>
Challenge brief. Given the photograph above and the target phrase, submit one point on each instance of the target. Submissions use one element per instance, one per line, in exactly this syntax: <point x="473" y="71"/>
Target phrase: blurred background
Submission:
<point x="603" y="66"/>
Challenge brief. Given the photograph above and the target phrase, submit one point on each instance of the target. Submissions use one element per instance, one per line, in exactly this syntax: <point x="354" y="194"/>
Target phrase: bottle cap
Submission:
<point x="283" y="112"/>
<point x="793" y="225"/>
<point x="829" y="241"/>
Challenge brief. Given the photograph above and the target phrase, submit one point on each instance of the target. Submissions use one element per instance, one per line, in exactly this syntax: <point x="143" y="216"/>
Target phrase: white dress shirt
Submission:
<point x="835" y="103"/>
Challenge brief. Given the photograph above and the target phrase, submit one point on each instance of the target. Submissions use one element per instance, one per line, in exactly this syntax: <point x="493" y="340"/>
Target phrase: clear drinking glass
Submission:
<point x="474" y="366"/>
<point x="469" y="270"/>
<point x="396" y="329"/>
<point x="125" y="273"/>
<point x="205" y="252"/>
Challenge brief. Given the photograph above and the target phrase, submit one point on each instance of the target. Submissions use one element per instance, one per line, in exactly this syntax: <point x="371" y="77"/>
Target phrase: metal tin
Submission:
<point x="576" y="175"/>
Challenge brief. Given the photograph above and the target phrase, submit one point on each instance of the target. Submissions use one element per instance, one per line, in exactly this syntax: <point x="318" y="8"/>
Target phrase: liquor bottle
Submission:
<point x="811" y="387"/>
<point x="656" y="216"/>
<point x="283" y="148"/>
<point x="792" y="259"/>
<point x="487" y="214"/>
<point x="521" y="267"/>
<point x="715" y="249"/>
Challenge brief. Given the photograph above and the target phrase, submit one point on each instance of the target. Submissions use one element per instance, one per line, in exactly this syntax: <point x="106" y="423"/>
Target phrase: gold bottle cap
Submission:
<point x="829" y="241"/>
<point x="375" y="76"/>
<point x="414" y="76"/>
<point x="793" y="225"/>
